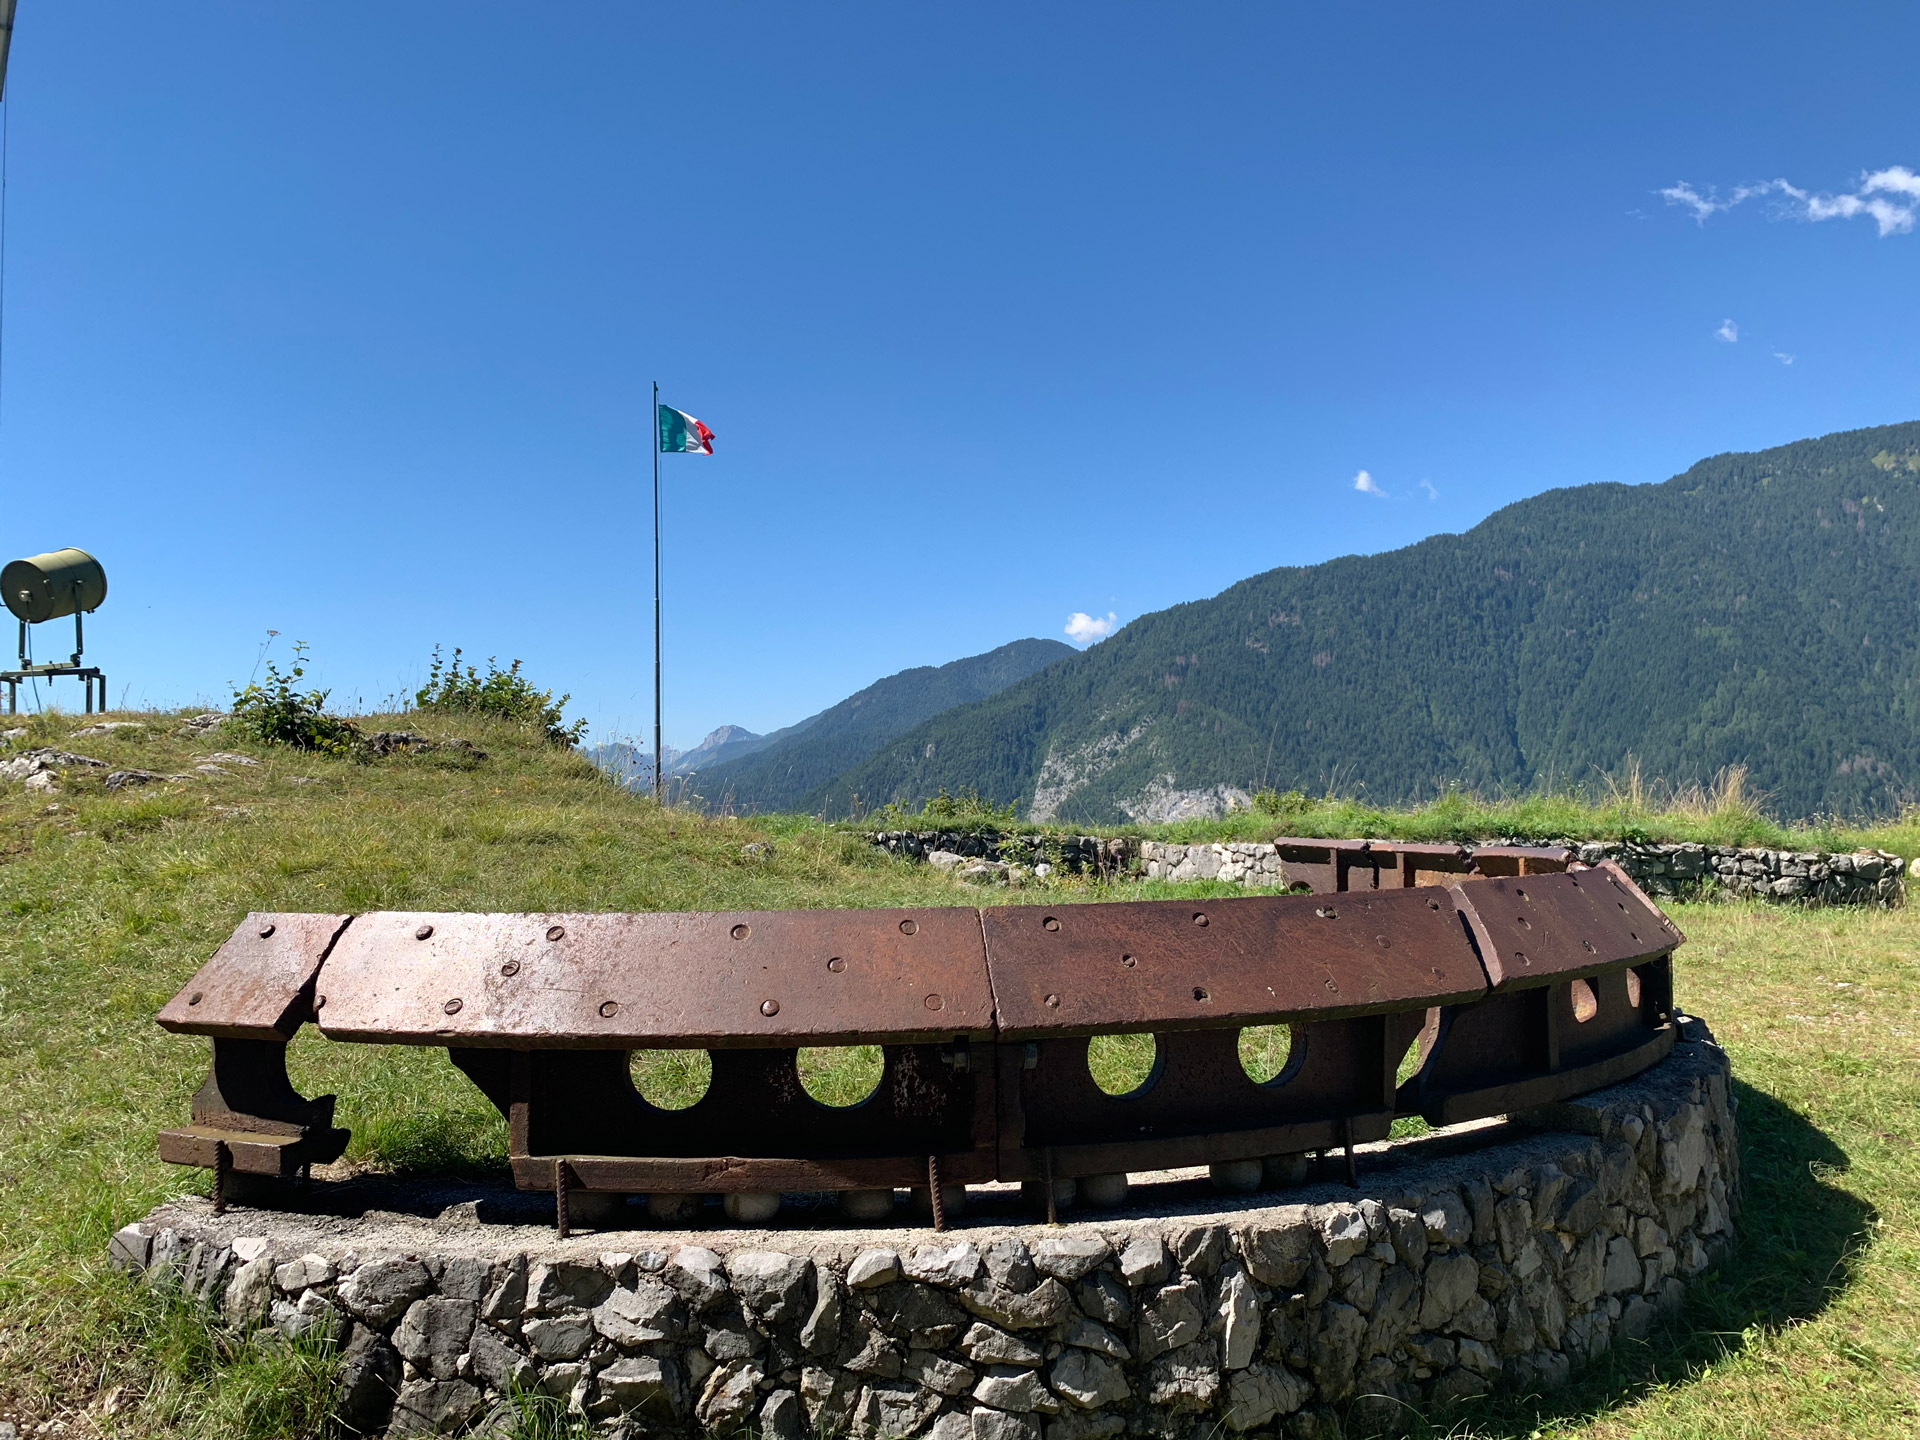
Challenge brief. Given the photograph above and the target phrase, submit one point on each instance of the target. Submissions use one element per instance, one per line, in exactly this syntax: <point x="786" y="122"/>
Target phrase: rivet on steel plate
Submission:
<point x="1521" y="956"/>
<point x="452" y="1007"/>
<point x="425" y="932"/>
<point x="319" y="1002"/>
<point x="740" y="932"/>
<point x="1050" y="923"/>
<point x="1383" y="942"/>
<point x="907" y="927"/>
<point x="1327" y="912"/>
<point x="1524" y="923"/>
<point x="1433" y="904"/>
<point x="1333" y="987"/>
<point x="1199" y="919"/>
<point x="196" y="998"/>
<point x="1520" y="894"/>
<point x="556" y="932"/>
<point x="1127" y="960"/>
<point x="769" y="1008"/>
<point x="266" y="932"/>
<point x="1053" y="1002"/>
<point x="1199" y="993"/>
<point x="609" y="1009"/>
<point x="935" y="1002"/>
<point x="512" y="967"/>
<point x="836" y="965"/>
<point x="1587" y="945"/>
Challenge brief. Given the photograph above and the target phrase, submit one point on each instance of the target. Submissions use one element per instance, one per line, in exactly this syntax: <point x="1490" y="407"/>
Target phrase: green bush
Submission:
<point x="965" y="811"/>
<point x="504" y="693"/>
<point x="277" y="713"/>
<point x="1269" y="801"/>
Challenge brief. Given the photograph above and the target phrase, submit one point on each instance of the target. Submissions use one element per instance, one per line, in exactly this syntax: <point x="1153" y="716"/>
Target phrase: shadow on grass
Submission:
<point x="1797" y="1243"/>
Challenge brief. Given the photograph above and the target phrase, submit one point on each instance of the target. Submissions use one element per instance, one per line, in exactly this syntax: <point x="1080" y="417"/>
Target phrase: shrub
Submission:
<point x="277" y="713"/>
<point x="1269" y="801"/>
<point x="504" y="693"/>
<point x="965" y="811"/>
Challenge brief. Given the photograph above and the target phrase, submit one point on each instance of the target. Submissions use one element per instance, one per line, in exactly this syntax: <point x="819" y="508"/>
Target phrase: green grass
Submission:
<point x="110" y="901"/>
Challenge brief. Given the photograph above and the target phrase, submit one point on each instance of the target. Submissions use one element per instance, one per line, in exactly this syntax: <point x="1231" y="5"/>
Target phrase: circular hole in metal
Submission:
<point x="1520" y="894"/>
<point x="670" y="1079"/>
<point x="1127" y="960"/>
<point x="1200" y="993"/>
<point x="319" y="1002"/>
<point x="907" y="927"/>
<point x="740" y="932"/>
<point x="1200" y="919"/>
<point x="1123" y="1064"/>
<point x="1633" y="988"/>
<point x="512" y="967"/>
<point x="266" y="932"/>
<point x="556" y="932"/>
<point x="935" y="1002"/>
<point x="1433" y="904"/>
<point x="196" y="998"/>
<point x="1050" y="923"/>
<point x="1587" y="945"/>
<point x="841" y="1076"/>
<point x="425" y="932"/>
<point x="1585" y="1005"/>
<point x="1053" y="1002"/>
<point x="1264" y="1051"/>
<point x="1521" y="956"/>
<point x="609" y="1009"/>
<point x="769" y="1008"/>
<point x="1523" y="922"/>
<point x="836" y="965"/>
<point x="452" y="1007"/>
<point x="1327" y="912"/>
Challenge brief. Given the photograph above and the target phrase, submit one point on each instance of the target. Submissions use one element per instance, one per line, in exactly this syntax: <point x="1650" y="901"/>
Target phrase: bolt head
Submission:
<point x="556" y="932"/>
<point x="769" y="1008"/>
<point x="266" y="932"/>
<point x="425" y="932"/>
<point x="452" y="1007"/>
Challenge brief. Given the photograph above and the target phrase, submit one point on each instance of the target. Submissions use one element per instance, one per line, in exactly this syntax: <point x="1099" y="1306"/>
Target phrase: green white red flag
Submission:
<point x="681" y="434"/>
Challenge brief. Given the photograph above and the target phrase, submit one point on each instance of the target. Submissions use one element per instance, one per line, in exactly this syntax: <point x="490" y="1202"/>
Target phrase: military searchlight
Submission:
<point x="50" y="587"/>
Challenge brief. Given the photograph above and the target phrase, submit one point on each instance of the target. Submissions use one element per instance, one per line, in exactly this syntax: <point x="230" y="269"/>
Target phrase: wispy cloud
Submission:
<point x="1783" y="357"/>
<point x="1432" y="494"/>
<point x="1084" y="629"/>
<point x="1888" y="197"/>
<point x="1728" y="332"/>
<point x="1367" y="485"/>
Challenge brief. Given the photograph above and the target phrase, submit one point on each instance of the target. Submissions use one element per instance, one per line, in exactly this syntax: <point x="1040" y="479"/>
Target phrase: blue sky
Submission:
<point x="339" y="320"/>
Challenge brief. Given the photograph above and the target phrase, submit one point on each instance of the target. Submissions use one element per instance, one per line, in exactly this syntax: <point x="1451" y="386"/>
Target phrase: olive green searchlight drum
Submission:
<point x="47" y="587"/>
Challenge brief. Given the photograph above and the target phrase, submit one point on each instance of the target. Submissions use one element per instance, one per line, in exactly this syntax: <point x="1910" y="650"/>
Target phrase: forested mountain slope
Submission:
<point x="1759" y="610"/>
<point x="793" y="763"/>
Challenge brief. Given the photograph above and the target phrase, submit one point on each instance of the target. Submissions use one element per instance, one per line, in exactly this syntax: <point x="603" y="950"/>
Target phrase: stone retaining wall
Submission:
<point x="1866" y="877"/>
<point x="1497" y="1255"/>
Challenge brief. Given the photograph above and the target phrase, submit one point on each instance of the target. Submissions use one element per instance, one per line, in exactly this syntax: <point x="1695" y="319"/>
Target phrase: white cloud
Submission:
<point x="1367" y="485"/>
<point x="1432" y="494"/>
<point x="1085" y="629"/>
<point x="1728" y="332"/>
<point x="1893" y="216"/>
<point x="1783" y="357"/>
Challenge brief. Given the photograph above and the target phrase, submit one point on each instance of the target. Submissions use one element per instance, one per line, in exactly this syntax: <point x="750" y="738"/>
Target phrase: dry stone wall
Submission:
<point x="1865" y="877"/>
<point x="1503" y="1256"/>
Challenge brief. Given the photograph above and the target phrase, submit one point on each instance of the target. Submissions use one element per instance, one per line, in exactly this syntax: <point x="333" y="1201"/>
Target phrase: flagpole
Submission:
<point x="659" y="755"/>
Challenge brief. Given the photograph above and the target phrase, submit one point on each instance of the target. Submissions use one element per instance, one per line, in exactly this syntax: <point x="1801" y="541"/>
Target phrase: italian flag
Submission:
<point x="681" y="434"/>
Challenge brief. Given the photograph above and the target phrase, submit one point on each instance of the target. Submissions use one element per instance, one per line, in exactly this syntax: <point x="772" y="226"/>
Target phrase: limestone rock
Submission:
<point x="871" y="1268"/>
<point x="698" y="1274"/>
<point x="985" y="1345"/>
<point x="895" y="1408"/>
<point x="1169" y="1318"/>
<point x="1145" y="1261"/>
<point x="1046" y="1305"/>
<point x="380" y="1292"/>
<point x="644" y="1315"/>
<point x="1261" y="1393"/>
<point x="771" y="1285"/>
<point x="308" y="1270"/>
<point x="1008" y="1387"/>
<point x="249" y="1292"/>
<point x="948" y="1266"/>
<point x="1237" y="1321"/>
<point x="433" y="1335"/>
<point x="644" y="1383"/>
<point x="433" y="1407"/>
<point x="1088" y="1380"/>
<point x="730" y="1396"/>
<point x="1070" y="1257"/>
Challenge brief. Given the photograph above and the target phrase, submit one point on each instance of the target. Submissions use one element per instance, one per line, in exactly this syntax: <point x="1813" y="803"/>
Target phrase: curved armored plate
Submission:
<point x="1193" y="964"/>
<point x="745" y="978"/>
<point x="252" y="988"/>
<point x="1535" y="929"/>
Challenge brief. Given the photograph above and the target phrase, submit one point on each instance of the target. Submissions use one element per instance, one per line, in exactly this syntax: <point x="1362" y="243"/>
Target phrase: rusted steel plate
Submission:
<point x="736" y="979"/>
<point x="1191" y="964"/>
<point x="256" y="985"/>
<point x="1533" y="929"/>
<point x="1521" y="859"/>
<point x="1420" y="864"/>
<point x="721" y="1173"/>
<point x="1626" y="897"/>
<point x="281" y="1156"/>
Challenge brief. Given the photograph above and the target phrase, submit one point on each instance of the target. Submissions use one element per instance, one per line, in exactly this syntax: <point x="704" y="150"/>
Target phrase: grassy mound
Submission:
<point x="110" y="899"/>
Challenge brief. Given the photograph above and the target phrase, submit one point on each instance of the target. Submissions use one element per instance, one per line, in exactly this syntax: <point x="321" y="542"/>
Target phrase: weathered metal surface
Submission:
<point x="1522" y="988"/>
<point x="258" y="984"/>
<point x="1534" y="929"/>
<point x="714" y="981"/>
<point x="1194" y="964"/>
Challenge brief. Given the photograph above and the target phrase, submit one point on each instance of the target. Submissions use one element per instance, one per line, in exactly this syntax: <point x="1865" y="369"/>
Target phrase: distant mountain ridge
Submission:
<point x="1758" y="610"/>
<point x="790" y="769"/>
